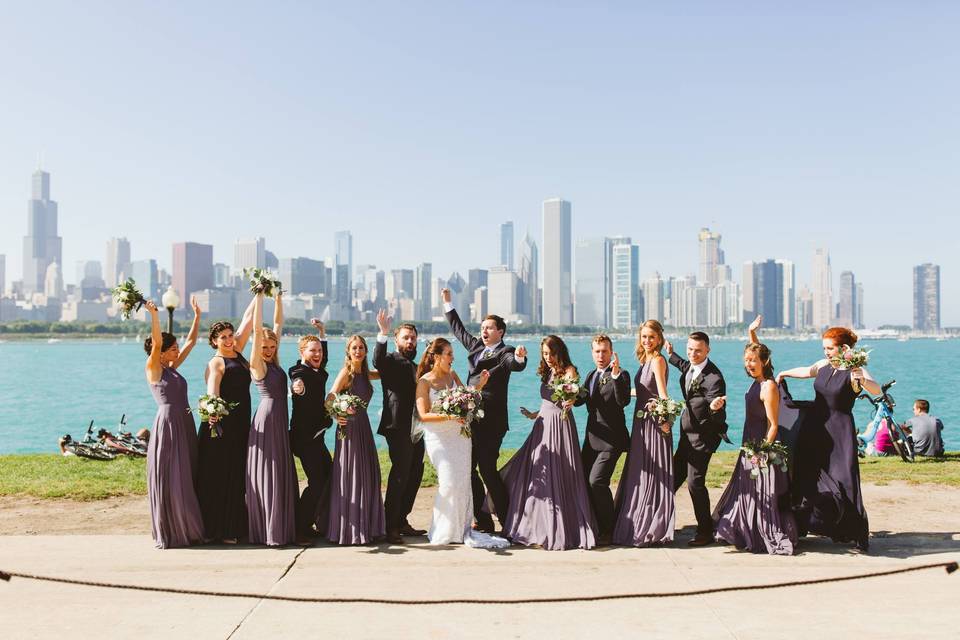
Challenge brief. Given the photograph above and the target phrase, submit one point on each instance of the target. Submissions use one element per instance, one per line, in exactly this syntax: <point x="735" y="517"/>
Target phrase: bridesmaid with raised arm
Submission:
<point x="271" y="484"/>
<point x="754" y="513"/>
<point x="172" y="452"/>
<point x="826" y="491"/>
<point x="223" y="443"/>
<point x="356" y="514"/>
<point x="549" y="502"/>
<point x="644" y="502"/>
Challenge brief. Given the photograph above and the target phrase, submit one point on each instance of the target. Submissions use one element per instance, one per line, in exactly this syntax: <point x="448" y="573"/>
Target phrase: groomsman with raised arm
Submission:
<point x="703" y="424"/>
<point x="398" y="377"/>
<point x="488" y="353"/>
<point x="608" y="393"/>
<point x="308" y="382"/>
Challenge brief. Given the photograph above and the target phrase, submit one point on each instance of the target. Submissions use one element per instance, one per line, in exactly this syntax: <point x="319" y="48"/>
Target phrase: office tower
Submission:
<point x="557" y="262"/>
<point x="847" y="300"/>
<point x="303" y="276"/>
<point x="626" y="299"/>
<point x="506" y="245"/>
<point x="118" y="261"/>
<point x="343" y="265"/>
<point x="422" y="292"/>
<point x="400" y="284"/>
<point x="41" y="245"/>
<point x="926" y="297"/>
<point x="653" y="300"/>
<point x="53" y="281"/>
<point x="858" y="321"/>
<point x="222" y="278"/>
<point x="192" y="269"/>
<point x="592" y="293"/>
<point x="822" y="289"/>
<point x="479" y="309"/>
<point x="804" y="318"/>
<point x="476" y="278"/>
<point x="711" y="257"/>
<point x="503" y="285"/>
<point x="529" y="280"/>
<point x="249" y="254"/>
<point x="789" y="276"/>
<point x="147" y="277"/>
<point x="763" y="292"/>
<point x="3" y="275"/>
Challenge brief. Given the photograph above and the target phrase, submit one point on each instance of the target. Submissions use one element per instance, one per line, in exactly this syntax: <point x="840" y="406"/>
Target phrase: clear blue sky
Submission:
<point x="421" y="126"/>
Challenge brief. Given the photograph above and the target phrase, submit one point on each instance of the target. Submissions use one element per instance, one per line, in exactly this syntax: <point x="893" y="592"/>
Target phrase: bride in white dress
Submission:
<point x="450" y="453"/>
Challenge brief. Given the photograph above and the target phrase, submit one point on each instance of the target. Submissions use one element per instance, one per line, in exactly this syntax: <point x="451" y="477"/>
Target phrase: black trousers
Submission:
<point x="317" y="465"/>
<point x="486" y="451"/>
<point x="406" y="473"/>
<point x="691" y="465"/>
<point x="598" y="467"/>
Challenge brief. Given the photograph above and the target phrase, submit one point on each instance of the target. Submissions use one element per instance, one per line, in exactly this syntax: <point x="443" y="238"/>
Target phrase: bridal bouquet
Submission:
<point x="850" y="358"/>
<point x="128" y="297"/>
<point x="214" y="407"/>
<point x="760" y="455"/>
<point x="566" y="388"/>
<point x="344" y="405"/>
<point x="664" y="409"/>
<point x="262" y="281"/>
<point x="459" y="403"/>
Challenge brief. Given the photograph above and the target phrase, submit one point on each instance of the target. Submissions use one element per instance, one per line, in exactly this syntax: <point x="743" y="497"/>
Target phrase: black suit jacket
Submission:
<point x="501" y="363"/>
<point x="606" y="423"/>
<point x="309" y="417"/>
<point x="398" y="378"/>
<point x="701" y="426"/>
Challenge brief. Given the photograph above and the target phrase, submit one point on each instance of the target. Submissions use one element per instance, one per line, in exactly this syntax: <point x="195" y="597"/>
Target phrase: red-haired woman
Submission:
<point x="827" y="472"/>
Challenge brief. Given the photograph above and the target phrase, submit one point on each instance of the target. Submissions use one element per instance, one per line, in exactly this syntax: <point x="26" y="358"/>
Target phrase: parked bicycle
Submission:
<point x="883" y="419"/>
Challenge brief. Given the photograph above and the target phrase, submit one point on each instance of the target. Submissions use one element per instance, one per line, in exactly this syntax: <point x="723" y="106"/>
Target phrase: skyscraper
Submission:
<point x="529" y="303"/>
<point x="847" y="305"/>
<point x="763" y="292"/>
<point x="822" y="289"/>
<point x="343" y="267"/>
<point x="118" y="261"/>
<point x="593" y="289"/>
<point x="41" y="245"/>
<point x="711" y="257"/>
<point x="250" y="253"/>
<point x="502" y="288"/>
<point x="789" y="295"/>
<point x="926" y="297"/>
<point x="146" y="274"/>
<point x="303" y="275"/>
<point x="3" y="275"/>
<point x="653" y="299"/>
<point x="557" y="262"/>
<point x="506" y="245"/>
<point x="625" y="285"/>
<point x="423" y="292"/>
<point x="192" y="269"/>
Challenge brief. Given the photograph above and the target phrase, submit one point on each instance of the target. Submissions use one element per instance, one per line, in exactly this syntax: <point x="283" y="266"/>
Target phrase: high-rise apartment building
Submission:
<point x="118" y="261"/>
<point x="41" y="246"/>
<point x="926" y="297"/>
<point x="192" y="269"/>
<point x="506" y="245"/>
<point x="557" y="262"/>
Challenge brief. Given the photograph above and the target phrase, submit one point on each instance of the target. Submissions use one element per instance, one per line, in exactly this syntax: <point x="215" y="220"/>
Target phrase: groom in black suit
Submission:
<point x="488" y="353"/>
<point x="398" y="377"/>
<point x="703" y="423"/>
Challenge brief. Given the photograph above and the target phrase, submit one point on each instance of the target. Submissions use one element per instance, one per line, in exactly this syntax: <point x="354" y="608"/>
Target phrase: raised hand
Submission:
<point x="318" y="325"/>
<point x="446" y="295"/>
<point x="384" y="322"/>
<point x="195" y="305"/>
<point x="615" y="365"/>
<point x="756" y="323"/>
<point x="669" y="346"/>
<point x="521" y="352"/>
<point x="718" y="403"/>
<point x="151" y="307"/>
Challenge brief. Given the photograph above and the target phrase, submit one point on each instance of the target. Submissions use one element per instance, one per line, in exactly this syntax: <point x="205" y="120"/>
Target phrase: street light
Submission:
<point x="171" y="301"/>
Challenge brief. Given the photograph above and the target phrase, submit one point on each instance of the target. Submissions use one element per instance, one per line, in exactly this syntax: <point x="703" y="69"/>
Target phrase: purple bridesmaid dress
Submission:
<point x="271" y="484"/>
<point x="644" y="502"/>
<point x="754" y="513"/>
<point x="356" y="504"/>
<point x="171" y="461"/>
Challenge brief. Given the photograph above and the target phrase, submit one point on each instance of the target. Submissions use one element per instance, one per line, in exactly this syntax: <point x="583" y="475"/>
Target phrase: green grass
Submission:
<point x="53" y="476"/>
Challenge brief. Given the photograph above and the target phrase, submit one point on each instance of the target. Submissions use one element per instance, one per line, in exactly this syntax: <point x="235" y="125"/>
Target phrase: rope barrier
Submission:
<point x="950" y="567"/>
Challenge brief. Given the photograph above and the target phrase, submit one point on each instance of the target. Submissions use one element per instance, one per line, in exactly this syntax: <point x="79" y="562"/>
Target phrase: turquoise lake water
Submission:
<point x="47" y="390"/>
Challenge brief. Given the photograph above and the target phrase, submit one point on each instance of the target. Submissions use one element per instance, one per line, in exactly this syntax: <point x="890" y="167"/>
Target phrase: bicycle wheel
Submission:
<point x="900" y="441"/>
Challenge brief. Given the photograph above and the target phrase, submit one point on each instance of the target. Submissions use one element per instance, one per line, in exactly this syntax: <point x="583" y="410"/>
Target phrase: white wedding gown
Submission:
<point x="450" y="453"/>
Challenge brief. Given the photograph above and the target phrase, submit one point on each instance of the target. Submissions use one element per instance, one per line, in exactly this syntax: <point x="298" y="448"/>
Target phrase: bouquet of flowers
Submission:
<point x="262" y="281"/>
<point x="128" y="297"/>
<point x="760" y="455"/>
<point x="664" y="409"/>
<point x="850" y="358"/>
<point x="460" y="403"/>
<point x="344" y="405"/>
<point x="565" y="389"/>
<point x="214" y="407"/>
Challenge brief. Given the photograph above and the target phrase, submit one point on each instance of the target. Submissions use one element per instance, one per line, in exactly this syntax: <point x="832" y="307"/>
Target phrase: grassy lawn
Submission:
<point x="53" y="476"/>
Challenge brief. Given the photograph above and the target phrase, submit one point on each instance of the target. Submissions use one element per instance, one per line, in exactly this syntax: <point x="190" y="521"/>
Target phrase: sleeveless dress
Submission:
<point x="171" y="462"/>
<point x="549" y="502"/>
<point x="754" y="513"/>
<point x="356" y="505"/>
<point x="271" y="476"/>
<point x="450" y="453"/>
<point x="827" y="469"/>
<point x="644" y="505"/>
<point x="223" y="459"/>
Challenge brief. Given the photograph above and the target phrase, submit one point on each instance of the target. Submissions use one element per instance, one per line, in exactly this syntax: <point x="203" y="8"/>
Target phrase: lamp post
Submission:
<point x="171" y="301"/>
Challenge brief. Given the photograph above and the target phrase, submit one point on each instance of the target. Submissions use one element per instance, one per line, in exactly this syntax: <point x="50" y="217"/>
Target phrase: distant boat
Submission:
<point x="138" y="338"/>
<point x="54" y="340"/>
<point x="903" y="338"/>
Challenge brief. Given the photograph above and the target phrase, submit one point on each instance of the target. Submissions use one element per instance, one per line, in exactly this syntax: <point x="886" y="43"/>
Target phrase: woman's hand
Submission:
<point x="151" y="307"/>
<point x="756" y="324"/>
<point x="857" y="375"/>
<point x="213" y="419"/>
<point x="567" y="405"/>
<point x="718" y="403"/>
<point x="195" y="306"/>
<point x="529" y="415"/>
<point x="651" y="404"/>
<point x="342" y="421"/>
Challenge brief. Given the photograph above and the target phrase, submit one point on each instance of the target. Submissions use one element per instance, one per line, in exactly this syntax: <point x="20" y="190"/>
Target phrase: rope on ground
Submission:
<point x="950" y="567"/>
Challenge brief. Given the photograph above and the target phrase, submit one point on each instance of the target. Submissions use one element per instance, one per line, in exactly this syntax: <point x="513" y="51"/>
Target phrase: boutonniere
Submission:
<point x="695" y="385"/>
<point x="604" y="379"/>
<point x="488" y="355"/>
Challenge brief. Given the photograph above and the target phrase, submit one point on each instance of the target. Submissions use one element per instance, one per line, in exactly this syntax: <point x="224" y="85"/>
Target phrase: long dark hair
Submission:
<point x="436" y="348"/>
<point x="216" y="329"/>
<point x="762" y="351"/>
<point x="560" y="354"/>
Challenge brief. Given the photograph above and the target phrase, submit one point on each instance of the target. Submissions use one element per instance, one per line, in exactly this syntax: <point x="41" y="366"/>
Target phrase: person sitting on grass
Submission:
<point x="925" y="430"/>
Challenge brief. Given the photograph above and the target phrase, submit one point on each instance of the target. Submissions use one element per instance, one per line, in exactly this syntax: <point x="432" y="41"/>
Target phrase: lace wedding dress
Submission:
<point x="450" y="453"/>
